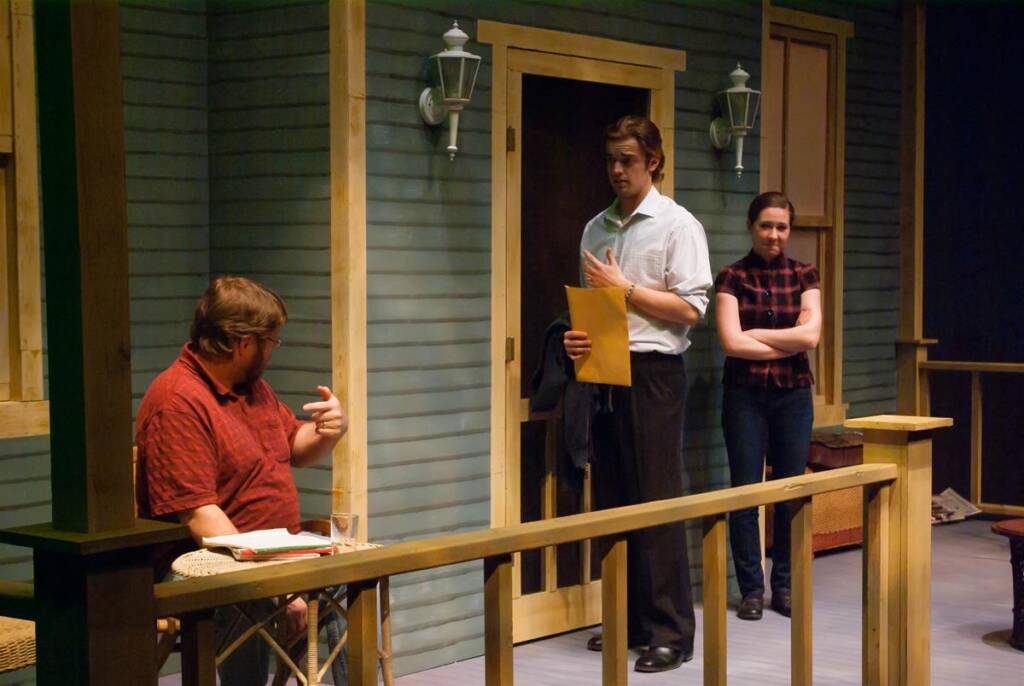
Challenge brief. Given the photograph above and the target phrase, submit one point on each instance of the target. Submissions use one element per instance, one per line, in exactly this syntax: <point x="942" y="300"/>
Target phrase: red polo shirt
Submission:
<point x="201" y="443"/>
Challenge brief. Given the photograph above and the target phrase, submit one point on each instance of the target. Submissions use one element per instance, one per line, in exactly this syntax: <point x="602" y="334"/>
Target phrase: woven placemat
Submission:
<point x="17" y="644"/>
<point x="207" y="562"/>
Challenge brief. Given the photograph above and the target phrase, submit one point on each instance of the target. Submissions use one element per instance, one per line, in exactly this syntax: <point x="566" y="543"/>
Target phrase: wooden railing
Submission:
<point x="192" y="599"/>
<point x="976" y="369"/>
<point x="896" y="481"/>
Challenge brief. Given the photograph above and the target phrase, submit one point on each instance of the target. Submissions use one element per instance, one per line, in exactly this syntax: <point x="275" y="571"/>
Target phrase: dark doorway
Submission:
<point x="564" y="185"/>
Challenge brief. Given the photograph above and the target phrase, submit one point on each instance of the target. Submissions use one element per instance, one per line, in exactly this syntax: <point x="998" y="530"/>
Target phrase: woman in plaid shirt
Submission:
<point x="768" y="311"/>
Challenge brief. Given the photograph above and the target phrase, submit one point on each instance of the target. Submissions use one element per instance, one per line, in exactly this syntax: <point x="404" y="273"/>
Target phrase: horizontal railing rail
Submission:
<point x="201" y="593"/>
<point x="962" y="366"/>
<point x="976" y="370"/>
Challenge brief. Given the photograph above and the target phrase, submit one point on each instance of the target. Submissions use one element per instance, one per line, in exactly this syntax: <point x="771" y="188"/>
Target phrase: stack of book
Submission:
<point x="271" y="544"/>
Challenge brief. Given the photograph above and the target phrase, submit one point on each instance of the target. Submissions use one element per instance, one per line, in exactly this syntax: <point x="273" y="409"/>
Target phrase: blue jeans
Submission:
<point x="759" y="423"/>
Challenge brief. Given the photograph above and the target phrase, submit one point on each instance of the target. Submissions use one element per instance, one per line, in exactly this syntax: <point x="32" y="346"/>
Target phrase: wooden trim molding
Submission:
<point x="21" y="339"/>
<point x="24" y="418"/>
<point x="810" y="22"/>
<point x="910" y="392"/>
<point x="348" y="250"/>
<point x="499" y="292"/>
<point x="579" y="45"/>
<point x="834" y="32"/>
<point x="26" y="199"/>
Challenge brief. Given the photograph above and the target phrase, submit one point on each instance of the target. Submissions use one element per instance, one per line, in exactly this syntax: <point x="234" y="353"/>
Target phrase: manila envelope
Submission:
<point x="601" y="312"/>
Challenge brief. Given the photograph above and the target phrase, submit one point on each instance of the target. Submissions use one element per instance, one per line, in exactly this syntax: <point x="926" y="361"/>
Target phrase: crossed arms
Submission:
<point x="768" y="344"/>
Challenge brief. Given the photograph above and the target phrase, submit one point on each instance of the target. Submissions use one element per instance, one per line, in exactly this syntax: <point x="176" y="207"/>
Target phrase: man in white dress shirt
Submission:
<point x="658" y="252"/>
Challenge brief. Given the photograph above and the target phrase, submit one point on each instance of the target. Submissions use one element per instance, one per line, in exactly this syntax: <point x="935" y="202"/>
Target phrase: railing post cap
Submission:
<point x="898" y="422"/>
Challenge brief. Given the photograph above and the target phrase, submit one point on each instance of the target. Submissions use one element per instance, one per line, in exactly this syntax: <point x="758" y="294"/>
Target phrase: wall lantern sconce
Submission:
<point x="456" y="73"/>
<point x="739" y="106"/>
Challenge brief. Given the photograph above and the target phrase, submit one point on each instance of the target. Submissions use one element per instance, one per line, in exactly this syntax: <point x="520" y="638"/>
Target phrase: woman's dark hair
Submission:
<point x="766" y="200"/>
<point x="647" y="135"/>
<point x="231" y="308"/>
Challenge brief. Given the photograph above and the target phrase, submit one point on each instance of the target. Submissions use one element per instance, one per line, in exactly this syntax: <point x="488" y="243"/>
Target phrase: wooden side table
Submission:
<point x="1013" y="529"/>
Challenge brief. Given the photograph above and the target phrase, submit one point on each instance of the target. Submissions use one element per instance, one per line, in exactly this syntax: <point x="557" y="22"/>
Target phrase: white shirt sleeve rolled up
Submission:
<point x="661" y="246"/>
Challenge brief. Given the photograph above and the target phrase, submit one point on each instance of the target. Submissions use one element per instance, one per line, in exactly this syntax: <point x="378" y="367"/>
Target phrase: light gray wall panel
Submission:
<point x="164" y="71"/>
<point x="24" y="497"/>
<point x="270" y="184"/>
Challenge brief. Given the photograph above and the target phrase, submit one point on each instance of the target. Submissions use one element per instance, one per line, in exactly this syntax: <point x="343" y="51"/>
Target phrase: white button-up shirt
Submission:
<point x="660" y="246"/>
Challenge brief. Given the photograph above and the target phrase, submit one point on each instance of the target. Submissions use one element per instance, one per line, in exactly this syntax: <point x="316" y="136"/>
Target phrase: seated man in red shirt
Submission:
<point x="216" y="446"/>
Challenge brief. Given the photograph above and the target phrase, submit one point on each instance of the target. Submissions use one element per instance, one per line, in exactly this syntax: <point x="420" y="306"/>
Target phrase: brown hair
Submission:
<point x="766" y="200"/>
<point x="647" y="135"/>
<point x="231" y="308"/>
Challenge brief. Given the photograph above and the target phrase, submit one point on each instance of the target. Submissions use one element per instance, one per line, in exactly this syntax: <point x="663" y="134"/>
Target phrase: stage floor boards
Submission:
<point x="971" y="601"/>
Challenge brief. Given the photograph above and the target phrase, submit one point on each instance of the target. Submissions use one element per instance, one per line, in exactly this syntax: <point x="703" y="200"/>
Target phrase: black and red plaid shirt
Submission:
<point x="769" y="298"/>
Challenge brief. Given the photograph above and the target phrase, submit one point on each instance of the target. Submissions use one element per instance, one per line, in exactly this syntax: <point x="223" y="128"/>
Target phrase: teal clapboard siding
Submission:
<point x="428" y="300"/>
<point x="269" y="143"/>
<point x="428" y="332"/>
<point x="164" y="74"/>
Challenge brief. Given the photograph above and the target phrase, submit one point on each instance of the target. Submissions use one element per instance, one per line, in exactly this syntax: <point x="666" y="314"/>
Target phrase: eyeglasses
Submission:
<point x="275" y="341"/>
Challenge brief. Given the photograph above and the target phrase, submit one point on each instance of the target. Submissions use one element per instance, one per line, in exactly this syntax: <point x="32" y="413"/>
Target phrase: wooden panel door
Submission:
<point x="558" y="110"/>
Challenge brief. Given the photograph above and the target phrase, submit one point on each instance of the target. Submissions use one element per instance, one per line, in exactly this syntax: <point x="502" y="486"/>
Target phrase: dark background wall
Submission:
<point x="972" y="233"/>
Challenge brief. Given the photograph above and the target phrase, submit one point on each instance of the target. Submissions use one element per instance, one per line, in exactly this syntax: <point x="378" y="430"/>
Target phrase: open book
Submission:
<point x="271" y="544"/>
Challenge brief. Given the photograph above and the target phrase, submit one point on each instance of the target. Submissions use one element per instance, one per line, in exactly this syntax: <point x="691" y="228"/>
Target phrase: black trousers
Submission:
<point x="639" y="458"/>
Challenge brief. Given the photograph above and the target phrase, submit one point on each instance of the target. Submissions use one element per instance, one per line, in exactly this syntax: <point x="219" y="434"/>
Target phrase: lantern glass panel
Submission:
<point x="438" y="62"/>
<point x="451" y="72"/>
<point x="738" y="106"/>
<point x="453" y="78"/>
<point x="472" y="66"/>
<point x="755" y="105"/>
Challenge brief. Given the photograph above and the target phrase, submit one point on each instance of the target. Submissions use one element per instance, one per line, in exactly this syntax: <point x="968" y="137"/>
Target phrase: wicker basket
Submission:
<point x="17" y="644"/>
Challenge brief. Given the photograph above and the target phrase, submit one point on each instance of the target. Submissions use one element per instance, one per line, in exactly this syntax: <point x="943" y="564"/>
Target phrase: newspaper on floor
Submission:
<point x="950" y="506"/>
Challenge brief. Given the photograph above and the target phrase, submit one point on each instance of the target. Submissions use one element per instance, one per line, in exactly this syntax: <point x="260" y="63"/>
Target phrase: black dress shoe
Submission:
<point x="596" y="643"/>
<point x="782" y="602"/>
<point x="662" y="659"/>
<point x="751" y="607"/>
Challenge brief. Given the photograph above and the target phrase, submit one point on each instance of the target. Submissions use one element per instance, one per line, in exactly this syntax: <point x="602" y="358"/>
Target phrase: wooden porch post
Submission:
<point x="362" y="633"/>
<point x="94" y="605"/>
<point x="906" y="442"/>
<point x="911" y="346"/>
<point x="498" y="621"/>
<point x="715" y="595"/>
<point x="614" y="619"/>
